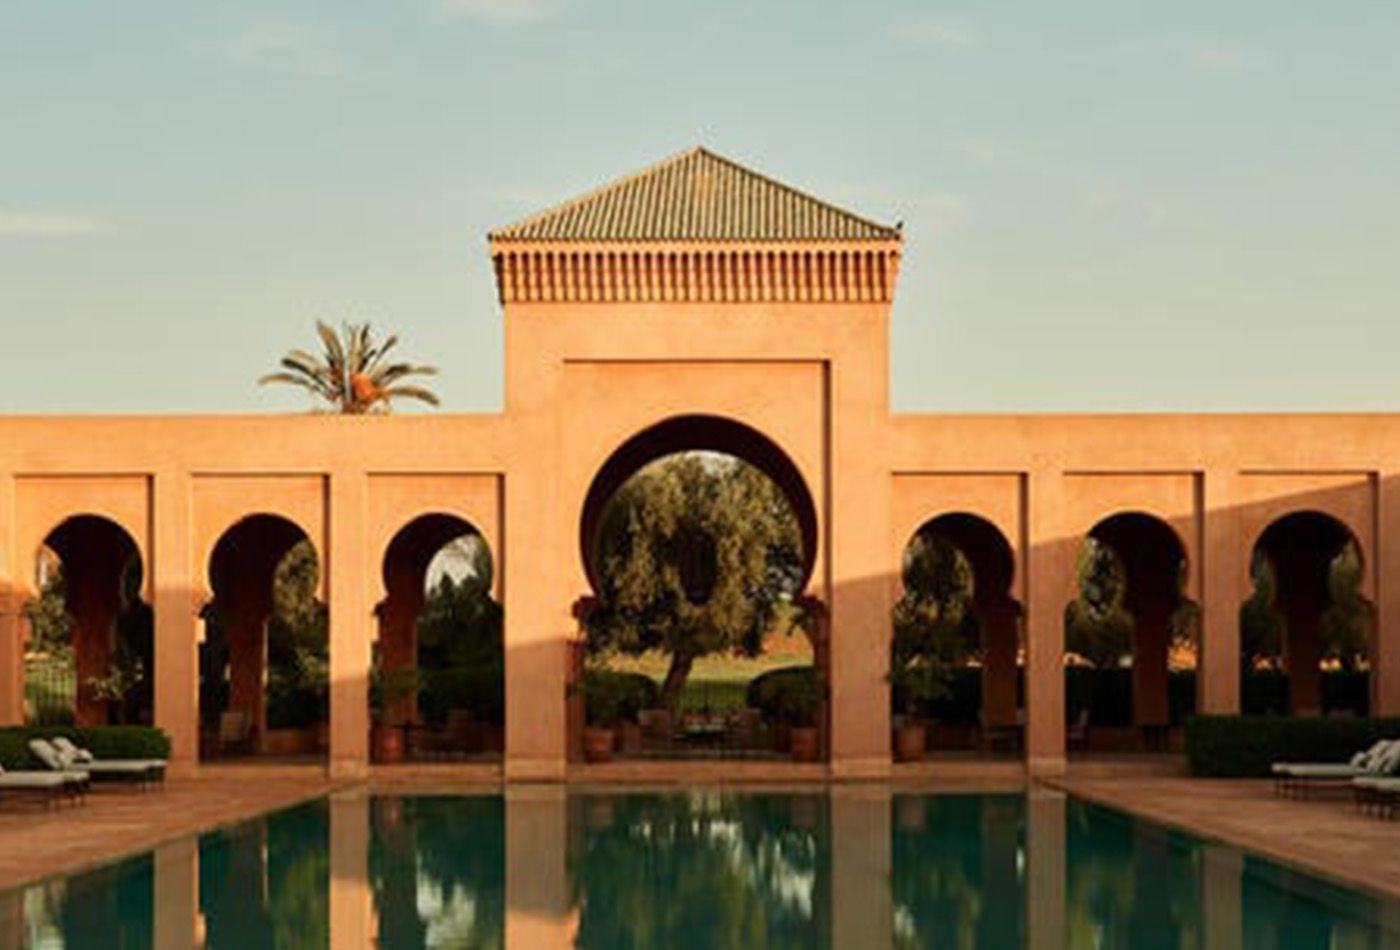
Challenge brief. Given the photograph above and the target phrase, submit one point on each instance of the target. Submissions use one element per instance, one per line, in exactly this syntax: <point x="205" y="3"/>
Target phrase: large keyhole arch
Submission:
<point x="697" y="433"/>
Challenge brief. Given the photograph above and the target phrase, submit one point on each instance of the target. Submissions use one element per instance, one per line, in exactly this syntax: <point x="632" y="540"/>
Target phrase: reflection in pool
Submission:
<point x="539" y="868"/>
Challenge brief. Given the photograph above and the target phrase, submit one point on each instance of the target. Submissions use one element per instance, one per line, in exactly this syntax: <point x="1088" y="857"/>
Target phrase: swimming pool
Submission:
<point x="850" y="868"/>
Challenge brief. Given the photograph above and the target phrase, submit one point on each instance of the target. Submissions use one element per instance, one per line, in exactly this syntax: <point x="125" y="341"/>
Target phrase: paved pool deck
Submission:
<point x="1324" y="834"/>
<point x="38" y="841"/>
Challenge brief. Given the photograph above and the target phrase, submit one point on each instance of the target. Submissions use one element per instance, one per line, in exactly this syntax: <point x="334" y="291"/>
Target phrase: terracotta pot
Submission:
<point x="806" y="744"/>
<point x="782" y="736"/>
<point x="911" y="812"/>
<point x="629" y="737"/>
<point x="910" y="741"/>
<point x="598" y="744"/>
<point x="388" y="744"/>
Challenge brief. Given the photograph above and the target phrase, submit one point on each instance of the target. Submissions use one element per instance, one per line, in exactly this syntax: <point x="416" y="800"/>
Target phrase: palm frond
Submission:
<point x="412" y="392"/>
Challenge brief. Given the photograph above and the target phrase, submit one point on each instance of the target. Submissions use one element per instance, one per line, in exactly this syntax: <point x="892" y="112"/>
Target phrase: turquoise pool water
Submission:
<point x="702" y="869"/>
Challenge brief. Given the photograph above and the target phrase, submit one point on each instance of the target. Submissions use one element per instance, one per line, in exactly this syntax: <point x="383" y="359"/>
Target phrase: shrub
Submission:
<point x="639" y="692"/>
<point x="780" y="693"/>
<point x="1245" y="746"/>
<point x="477" y="689"/>
<point x="105" y="742"/>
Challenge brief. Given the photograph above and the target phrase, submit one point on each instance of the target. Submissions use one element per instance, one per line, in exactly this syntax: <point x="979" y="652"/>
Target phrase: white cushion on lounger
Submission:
<point x="75" y="754"/>
<point x="1360" y="764"/>
<point x="119" y="766"/>
<point x="47" y="754"/>
<point x="1318" y="769"/>
<point x="33" y="779"/>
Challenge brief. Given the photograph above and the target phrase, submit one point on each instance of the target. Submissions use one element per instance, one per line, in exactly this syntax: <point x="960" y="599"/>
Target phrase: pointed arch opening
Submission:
<point x="1130" y="638"/>
<point x="698" y="537"/>
<point x="437" y="685"/>
<point x="264" y="656"/>
<point x="1306" y="630"/>
<point x="956" y="651"/>
<point x="90" y="657"/>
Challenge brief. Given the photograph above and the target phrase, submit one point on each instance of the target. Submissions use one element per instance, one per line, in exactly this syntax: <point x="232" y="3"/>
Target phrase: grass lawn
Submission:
<point x="49" y="688"/>
<point x="717" y="683"/>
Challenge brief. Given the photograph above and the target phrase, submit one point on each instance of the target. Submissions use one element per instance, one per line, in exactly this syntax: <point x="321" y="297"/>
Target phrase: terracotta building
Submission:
<point x="698" y="305"/>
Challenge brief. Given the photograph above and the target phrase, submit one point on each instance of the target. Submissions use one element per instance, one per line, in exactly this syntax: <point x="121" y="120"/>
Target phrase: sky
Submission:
<point x="1108" y="206"/>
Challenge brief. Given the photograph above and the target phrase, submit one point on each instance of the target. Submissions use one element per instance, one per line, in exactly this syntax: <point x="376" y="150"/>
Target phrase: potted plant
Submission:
<point x="387" y="690"/>
<point x="800" y="704"/>
<point x="604" y="698"/>
<point x="113" y="688"/>
<point x="916" y="685"/>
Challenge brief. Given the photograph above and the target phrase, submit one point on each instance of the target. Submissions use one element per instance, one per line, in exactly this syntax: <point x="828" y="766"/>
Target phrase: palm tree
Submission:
<point x="353" y="376"/>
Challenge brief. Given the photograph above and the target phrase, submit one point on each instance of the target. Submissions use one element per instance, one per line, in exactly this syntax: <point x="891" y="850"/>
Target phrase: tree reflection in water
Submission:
<point x="716" y="869"/>
<point x="700" y="870"/>
<point x="267" y="883"/>
<point x="437" y="865"/>
<point x="957" y="877"/>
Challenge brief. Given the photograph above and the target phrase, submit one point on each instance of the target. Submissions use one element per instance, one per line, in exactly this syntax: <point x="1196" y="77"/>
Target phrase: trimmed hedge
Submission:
<point x="1245" y="746"/>
<point x="105" y="742"/>
<point x="768" y="692"/>
<point x="479" y="689"/>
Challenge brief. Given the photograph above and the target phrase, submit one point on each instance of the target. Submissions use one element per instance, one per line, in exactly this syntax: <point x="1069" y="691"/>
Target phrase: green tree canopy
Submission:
<point x="1098" y="627"/>
<point x="698" y="554"/>
<point x="935" y="628"/>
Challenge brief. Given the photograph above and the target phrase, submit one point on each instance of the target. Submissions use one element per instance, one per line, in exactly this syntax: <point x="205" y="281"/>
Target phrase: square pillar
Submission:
<point x="857" y="557"/>
<point x="538" y="627"/>
<point x="862" y="906"/>
<point x="351" y="902"/>
<point x="176" y="610"/>
<point x="351" y="624"/>
<point x="1385" y="568"/>
<point x="1045" y="869"/>
<point x="13" y="632"/>
<point x="176" y="911"/>
<point x="539" y="905"/>
<point x="1222" y="908"/>
<point x="1050" y="575"/>
<point x="1224" y="574"/>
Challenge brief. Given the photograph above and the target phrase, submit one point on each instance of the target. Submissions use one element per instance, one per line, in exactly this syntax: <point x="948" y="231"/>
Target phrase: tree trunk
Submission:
<point x="675" y="681"/>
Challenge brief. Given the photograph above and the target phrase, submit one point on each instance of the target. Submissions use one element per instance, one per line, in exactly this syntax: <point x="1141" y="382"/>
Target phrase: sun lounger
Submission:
<point x="1378" y="794"/>
<point x="1380" y="760"/>
<point x="55" y="760"/>
<point x="145" y="771"/>
<point x="53" y="786"/>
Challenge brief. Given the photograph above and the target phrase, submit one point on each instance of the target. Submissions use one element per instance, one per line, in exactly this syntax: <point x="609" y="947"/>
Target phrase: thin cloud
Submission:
<point x="499" y="12"/>
<point x="1222" y="58"/>
<point x="42" y="224"/>
<point x="929" y="33"/>
<point x="288" y="49"/>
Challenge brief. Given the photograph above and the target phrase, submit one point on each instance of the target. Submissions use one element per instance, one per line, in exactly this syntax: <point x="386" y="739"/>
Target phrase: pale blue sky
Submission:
<point x="1109" y="205"/>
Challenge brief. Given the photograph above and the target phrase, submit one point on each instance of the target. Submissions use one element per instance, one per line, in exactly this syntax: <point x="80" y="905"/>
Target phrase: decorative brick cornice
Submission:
<point x="834" y="272"/>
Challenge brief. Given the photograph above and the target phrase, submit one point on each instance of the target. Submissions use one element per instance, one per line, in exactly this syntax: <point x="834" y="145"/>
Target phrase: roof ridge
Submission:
<point x="627" y="208"/>
<point x="793" y="190"/>
<point x="597" y="190"/>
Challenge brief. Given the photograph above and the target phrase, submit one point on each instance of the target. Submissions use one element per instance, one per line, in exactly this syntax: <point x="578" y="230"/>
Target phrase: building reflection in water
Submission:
<point x="540" y="868"/>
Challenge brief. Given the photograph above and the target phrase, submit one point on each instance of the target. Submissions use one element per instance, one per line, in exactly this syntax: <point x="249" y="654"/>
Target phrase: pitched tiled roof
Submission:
<point x="695" y="196"/>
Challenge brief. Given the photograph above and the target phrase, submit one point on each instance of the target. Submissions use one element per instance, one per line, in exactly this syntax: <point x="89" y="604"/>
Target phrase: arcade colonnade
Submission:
<point x="695" y="305"/>
<point x="460" y="467"/>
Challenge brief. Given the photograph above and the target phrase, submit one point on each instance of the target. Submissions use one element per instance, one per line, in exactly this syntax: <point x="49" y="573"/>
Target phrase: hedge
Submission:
<point x="477" y="689"/>
<point x="105" y="742"/>
<point x="1245" y="746"/>
<point x="766" y="691"/>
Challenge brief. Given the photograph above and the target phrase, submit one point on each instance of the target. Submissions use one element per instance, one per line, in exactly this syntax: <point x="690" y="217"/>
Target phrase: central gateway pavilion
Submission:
<point x="698" y="305"/>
